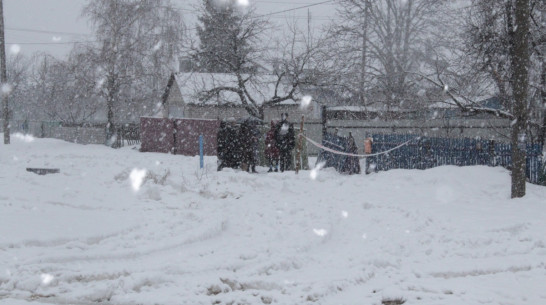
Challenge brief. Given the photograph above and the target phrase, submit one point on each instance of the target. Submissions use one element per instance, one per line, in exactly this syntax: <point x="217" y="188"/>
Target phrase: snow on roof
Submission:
<point x="371" y="108"/>
<point x="485" y="101"/>
<point x="193" y="87"/>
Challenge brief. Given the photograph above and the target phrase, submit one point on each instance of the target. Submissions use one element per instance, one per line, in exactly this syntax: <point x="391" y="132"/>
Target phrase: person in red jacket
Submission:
<point x="271" y="150"/>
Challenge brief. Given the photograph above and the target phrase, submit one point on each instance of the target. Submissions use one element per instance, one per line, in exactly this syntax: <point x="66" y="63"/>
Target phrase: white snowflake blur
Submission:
<point x="47" y="278"/>
<point x="137" y="178"/>
<point x="314" y="172"/>
<point x="158" y="46"/>
<point x="305" y="101"/>
<point x="320" y="232"/>
<point x="6" y="88"/>
<point x="15" y="49"/>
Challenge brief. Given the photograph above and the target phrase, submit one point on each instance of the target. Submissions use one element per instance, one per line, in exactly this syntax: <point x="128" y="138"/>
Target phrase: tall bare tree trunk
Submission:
<point x="542" y="133"/>
<point x="520" y="82"/>
<point x="110" y="99"/>
<point x="364" y="51"/>
<point x="3" y="76"/>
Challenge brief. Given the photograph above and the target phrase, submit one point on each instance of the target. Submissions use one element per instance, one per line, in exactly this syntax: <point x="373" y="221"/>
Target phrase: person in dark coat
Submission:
<point x="352" y="164"/>
<point x="227" y="146"/>
<point x="222" y="140"/>
<point x="285" y="139"/>
<point x="271" y="149"/>
<point x="255" y="143"/>
<point x="248" y="142"/>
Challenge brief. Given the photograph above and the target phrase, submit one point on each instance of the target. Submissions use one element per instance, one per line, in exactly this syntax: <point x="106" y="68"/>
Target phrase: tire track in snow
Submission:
<point x="209" y="233"/>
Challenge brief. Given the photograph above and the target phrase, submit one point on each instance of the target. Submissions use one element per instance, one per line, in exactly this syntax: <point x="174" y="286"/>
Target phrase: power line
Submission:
<point x="45" y="31"/>
<point x="49" y="43"/>
<point x="295" y="8"/>
<point x="279" y="12"/>
<point x="74" y="42"/>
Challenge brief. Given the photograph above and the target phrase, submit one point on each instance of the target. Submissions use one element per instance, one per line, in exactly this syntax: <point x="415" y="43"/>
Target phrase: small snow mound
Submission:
<point x="24" y="137"/>
<point x="445" y="194"/>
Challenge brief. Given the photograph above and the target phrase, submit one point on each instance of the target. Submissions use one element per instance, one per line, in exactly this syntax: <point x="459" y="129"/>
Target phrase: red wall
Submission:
<point x="179" y="136"/>
<point x="187" y="136"/>
<point x="156" y="135"/>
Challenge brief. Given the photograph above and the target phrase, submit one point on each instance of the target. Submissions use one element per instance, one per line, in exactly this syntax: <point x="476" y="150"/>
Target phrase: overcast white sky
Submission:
<point x="51" y="25"/>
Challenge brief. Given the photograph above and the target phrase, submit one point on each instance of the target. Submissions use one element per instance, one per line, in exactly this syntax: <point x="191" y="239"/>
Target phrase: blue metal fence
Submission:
<point x="424" y="152"/>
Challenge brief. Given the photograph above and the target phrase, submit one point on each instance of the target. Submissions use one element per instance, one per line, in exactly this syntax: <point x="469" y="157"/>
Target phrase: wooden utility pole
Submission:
<point x="520" y="63"/>
<point x="3" y="76"/>
<point x="299" y="147"/>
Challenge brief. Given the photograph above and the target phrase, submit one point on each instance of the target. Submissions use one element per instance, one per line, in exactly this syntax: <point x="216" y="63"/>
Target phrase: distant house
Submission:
<point x="186" y="96"/>
<point x="436" y="110"/>
<point x="439" y="119"/>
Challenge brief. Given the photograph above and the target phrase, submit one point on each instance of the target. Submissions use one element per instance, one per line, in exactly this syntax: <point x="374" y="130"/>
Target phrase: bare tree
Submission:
<point x="499" y="44"/>
<point x="380" y="42"/>
<point x="59" y="90"/>
<point x="520" y="84"/>
<point x="253" y="64"/>
<point x="137" y="41"/>
<point x="3" y="77"/>
<point x="18" y="73"/>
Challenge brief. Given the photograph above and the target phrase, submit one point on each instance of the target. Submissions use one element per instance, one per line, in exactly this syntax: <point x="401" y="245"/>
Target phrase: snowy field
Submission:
<point x="124" y="227"/>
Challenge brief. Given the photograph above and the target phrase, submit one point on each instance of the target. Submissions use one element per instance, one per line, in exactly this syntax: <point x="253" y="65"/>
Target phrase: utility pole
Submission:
<point x="3" y="76"/>
<point x="520" y="63"/>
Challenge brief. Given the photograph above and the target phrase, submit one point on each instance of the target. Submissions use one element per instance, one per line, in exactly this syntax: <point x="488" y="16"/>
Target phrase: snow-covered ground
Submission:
<point x="104" y="230"/>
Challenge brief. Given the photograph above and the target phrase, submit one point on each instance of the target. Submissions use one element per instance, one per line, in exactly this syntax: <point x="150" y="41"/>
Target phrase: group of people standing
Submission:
<point x="238" y="144"/>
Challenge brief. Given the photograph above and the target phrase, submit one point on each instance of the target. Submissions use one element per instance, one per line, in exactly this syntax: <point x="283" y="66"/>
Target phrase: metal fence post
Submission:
<point x="201" y="151"/>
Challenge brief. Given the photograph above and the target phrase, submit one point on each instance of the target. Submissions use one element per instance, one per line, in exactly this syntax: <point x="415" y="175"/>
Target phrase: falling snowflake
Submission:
<point x="305" y="102"/>
<point x="137" y="178"/>
<point x="314" y="171"/>
<point x="243" y="2"/>
<point x="56" y="38"/>
<point x="6" y="88"/>
<point x="15" y="49"/>
<point x="158" y="46"/>
<point x="47" y="278"/>
<point x="100" y="82"/>
<point x="320" y="232"/>
<point x="344" y="214"/>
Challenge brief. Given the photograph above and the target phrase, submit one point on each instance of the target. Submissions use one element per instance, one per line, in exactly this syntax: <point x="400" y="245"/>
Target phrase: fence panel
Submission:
<point x="424" y="152"/>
